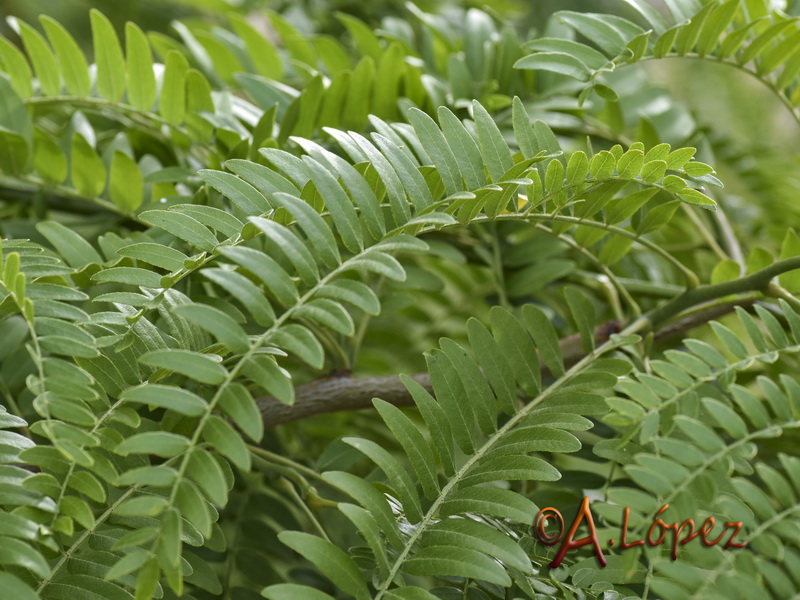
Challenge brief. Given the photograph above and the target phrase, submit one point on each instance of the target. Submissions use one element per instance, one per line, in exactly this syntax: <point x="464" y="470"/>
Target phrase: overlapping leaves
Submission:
<point x="146" y="393"/>
<point x="691" y="435"/>
<point x="488" y="421"/>
<point x="767" y="45"/>
<point x="285" y="253"/>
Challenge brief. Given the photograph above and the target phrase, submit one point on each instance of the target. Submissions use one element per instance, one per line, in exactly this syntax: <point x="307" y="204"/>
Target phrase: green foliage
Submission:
<point x="201" y="233"/>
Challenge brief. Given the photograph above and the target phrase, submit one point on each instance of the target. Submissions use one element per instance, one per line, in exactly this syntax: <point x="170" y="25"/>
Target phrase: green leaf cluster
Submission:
<point x="203" y="233"/>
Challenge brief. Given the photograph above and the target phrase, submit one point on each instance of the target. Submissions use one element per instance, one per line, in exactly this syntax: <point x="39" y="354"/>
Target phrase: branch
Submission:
<point x="335" y="393"/>
<point x="756" y="282"/>
<point x="340" y="392"/>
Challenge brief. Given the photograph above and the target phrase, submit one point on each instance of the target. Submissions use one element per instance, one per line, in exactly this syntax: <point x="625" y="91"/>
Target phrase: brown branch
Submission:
<point x="341" y="392"/>
<point x="335" y="393"/>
